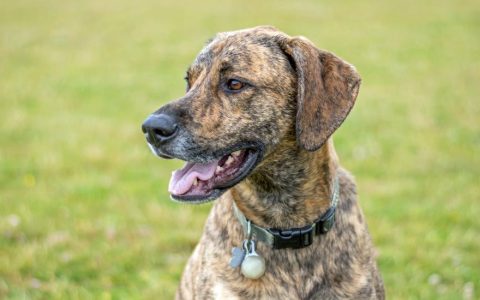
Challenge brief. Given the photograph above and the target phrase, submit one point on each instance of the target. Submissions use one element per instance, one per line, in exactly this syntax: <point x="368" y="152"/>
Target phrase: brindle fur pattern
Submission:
<point x="296" y="97"/>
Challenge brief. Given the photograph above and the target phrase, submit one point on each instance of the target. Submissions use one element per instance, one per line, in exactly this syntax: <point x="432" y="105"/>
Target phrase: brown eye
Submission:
<point x="234" y="85"/>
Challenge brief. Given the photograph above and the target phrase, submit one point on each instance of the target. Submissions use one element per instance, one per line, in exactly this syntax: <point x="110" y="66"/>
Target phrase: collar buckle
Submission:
<point x="294" y="238"/>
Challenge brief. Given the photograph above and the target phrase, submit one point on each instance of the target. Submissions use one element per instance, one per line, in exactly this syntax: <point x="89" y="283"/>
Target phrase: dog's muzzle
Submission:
<point x="199" y="180"/>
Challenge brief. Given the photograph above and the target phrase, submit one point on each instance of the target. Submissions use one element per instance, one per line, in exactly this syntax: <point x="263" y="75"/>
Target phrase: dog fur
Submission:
<point x="296" y="97"/>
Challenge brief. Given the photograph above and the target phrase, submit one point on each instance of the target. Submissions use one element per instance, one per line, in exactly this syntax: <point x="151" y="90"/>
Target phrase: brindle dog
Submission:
<point x="254" y="128"/>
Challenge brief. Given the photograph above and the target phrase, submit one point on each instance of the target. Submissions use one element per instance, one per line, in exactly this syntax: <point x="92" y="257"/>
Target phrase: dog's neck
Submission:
<point x="293" y="192"/>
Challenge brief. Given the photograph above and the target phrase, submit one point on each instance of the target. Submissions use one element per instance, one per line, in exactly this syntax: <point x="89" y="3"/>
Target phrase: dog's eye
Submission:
<point x="234" y="85"/>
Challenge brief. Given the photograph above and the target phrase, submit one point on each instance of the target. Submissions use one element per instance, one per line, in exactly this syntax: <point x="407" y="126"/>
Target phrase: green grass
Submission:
<point x="84" y="211"/>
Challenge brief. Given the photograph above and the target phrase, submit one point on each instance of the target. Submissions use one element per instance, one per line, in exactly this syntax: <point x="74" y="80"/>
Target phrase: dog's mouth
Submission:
<point x="201" y="182"/>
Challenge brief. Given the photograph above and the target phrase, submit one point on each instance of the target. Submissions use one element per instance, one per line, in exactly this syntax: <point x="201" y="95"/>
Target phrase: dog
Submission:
<point x="254" y="128"/>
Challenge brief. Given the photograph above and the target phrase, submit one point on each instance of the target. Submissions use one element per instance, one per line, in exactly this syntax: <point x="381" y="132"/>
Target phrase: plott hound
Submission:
<point x="254" y="128"/>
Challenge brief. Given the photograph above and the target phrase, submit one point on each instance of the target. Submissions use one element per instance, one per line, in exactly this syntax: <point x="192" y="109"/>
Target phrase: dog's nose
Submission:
<point x="159" y="128"/>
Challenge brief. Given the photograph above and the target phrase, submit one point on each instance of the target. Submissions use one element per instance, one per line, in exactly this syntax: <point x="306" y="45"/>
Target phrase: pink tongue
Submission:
<point x="182" y="180"/>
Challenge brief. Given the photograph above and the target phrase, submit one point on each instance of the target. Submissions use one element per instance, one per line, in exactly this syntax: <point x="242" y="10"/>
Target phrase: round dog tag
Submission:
<point x="253" y="266"/>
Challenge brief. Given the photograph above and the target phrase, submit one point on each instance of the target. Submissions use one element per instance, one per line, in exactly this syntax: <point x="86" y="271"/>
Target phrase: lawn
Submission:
<point x="84" y="209"/>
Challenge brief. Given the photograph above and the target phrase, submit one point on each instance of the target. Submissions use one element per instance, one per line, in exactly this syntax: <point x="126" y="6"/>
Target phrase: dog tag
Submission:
<point x="238" y="254"/>
<point x="253" y="265"/>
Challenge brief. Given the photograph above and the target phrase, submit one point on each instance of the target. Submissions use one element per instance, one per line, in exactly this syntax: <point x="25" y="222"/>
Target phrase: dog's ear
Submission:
<point x="327" y="88"/>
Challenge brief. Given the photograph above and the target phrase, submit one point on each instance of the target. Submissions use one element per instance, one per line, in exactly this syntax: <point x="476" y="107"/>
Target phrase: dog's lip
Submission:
<point x="165" y="156"/>
<point x="255" y="155"/>
<point x="157" y="152"/>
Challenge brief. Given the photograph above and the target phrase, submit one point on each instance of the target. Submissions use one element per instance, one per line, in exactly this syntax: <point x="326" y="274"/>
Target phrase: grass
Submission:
<point x="84" y="212"/>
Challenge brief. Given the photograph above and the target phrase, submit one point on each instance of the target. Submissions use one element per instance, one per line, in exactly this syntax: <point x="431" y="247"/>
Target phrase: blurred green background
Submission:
<point x="84" y="209"/>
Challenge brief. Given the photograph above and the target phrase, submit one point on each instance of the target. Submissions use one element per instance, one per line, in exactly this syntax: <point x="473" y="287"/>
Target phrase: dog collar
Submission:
<point x="294" y="237"/>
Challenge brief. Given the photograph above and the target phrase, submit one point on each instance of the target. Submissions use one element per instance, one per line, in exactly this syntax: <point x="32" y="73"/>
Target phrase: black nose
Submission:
<point x="159" y="128"/>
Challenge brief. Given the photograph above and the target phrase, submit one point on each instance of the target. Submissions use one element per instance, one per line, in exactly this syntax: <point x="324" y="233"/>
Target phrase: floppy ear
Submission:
<point x="327" y="88"/>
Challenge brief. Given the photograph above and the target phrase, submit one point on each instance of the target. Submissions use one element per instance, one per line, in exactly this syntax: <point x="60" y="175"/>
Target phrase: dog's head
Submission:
<point x="247" y="92"/>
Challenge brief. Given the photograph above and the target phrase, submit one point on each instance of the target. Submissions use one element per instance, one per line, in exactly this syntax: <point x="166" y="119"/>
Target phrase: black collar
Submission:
<point x="293" y="237"/>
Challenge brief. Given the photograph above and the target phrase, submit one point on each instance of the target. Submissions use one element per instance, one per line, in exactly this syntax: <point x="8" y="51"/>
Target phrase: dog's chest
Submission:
<point x="221" y="291"/>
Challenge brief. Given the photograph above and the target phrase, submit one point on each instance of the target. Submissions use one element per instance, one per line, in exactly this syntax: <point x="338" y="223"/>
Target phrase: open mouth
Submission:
<point x="200" y="182"/>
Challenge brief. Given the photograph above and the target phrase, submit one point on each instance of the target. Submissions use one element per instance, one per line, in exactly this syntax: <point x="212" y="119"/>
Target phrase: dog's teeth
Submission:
<point x="236" y="153"/>
<point x="229" y="160"/>
<point x="195" y="182"/>
<point x="218" y="169"/>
